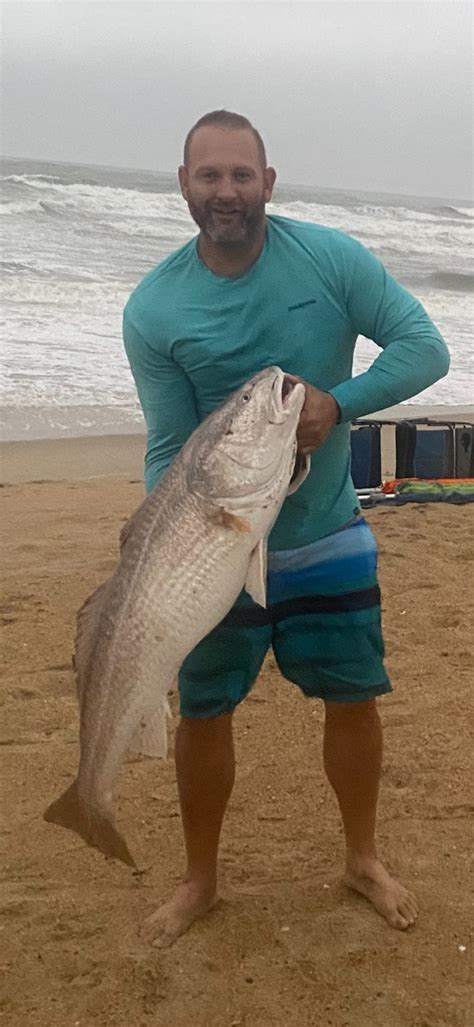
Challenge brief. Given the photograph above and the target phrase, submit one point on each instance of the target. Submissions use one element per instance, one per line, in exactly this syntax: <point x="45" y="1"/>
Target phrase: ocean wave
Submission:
<point x="32" y="182"/>
<point x="38" y="181"/>
<point x="14" y="266"/>
<point x="50" y="207"/>
<point x="88" y="175"/>
<point x="436" y="215"/>
<point x="453" y="281"/>
<point x="164" y="214"/>
<point x="55" y="209"/>
<point x="103" y="202"/>
<point x="151" y="183"/>
<point x="401" y="220"/>
<point x="461" y="213"/>
<point x="7" y="208"/>
<point x="88" y="185"/>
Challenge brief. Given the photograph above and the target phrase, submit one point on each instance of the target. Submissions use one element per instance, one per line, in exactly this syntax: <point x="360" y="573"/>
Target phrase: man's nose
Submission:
<point x="226" y="189"/>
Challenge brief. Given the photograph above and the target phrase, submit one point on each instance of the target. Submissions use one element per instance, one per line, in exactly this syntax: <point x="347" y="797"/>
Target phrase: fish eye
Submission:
<point x="246" y="396"/>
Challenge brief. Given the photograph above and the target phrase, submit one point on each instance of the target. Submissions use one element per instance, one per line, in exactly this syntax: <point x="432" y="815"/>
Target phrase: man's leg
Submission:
<point x="352" y="760"/>
<point x="205" y="771"/>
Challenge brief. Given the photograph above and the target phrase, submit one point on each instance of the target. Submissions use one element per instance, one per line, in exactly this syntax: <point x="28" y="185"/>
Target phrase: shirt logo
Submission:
<point x="297" y="306"/>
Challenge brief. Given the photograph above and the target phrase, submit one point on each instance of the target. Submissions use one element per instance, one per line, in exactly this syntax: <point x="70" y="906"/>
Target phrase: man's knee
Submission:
<point x="206" y="727"/>
<point x="351" y="712"/>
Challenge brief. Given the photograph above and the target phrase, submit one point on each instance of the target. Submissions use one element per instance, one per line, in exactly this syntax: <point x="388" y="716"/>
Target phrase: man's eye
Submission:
<point x="242" y="175"/>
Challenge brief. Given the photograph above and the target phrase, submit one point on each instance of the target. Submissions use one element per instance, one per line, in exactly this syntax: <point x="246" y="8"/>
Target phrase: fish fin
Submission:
<point x="256" y="580"/>
<point x="229" y="520"/>
<point x="151" y="736"/>
<point x="96" y="827"/>
<point x="300" y="473"/>
<point x="87" y="629"/>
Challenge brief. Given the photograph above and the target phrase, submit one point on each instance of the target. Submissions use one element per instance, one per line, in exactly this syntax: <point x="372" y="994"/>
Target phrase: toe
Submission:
<point x="150" y="930"/>
<point x="163" y="940"/>
<point x="399" y="921"/>
<point x="406" y="913"/>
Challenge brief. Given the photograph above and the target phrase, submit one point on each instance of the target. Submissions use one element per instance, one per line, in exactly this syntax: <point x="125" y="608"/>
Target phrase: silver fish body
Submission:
<point x="186" y="554"/>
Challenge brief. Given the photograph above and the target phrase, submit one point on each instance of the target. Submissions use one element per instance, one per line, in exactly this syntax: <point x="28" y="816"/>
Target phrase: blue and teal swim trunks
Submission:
<point x="322" y="620"/>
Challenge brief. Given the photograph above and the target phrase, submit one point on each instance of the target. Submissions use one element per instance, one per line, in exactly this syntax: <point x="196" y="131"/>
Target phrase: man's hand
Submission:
<point x="319" y="414"/>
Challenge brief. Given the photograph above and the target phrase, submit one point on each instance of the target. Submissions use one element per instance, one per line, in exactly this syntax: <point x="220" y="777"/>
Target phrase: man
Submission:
<point x="248" y="292"/>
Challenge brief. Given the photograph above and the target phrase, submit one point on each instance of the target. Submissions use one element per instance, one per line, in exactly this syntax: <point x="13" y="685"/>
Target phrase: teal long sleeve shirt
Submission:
<point x="192" y="337"/>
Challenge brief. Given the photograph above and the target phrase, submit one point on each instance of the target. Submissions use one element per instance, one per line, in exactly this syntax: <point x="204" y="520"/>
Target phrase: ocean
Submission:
<point x="76" y="239"/>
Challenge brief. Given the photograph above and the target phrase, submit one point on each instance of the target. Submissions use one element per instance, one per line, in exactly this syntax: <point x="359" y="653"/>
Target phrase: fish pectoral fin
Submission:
<point x="222" y="517"/>
<point x="256" y="580"/>
<point x="151" y="736"/>
<point x="96" y="827"/>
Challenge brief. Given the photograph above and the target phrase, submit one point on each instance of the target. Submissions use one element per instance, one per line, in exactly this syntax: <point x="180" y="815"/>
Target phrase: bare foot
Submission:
<point x="189" y="902"/>
<point x="390" y="898"/>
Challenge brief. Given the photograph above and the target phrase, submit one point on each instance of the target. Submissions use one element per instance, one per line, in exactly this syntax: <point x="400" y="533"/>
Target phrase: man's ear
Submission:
<point x="183" y="180"/>
<point x="269" y="176"/>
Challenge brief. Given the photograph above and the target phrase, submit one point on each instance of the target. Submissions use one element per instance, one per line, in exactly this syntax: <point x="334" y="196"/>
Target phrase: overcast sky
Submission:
<point x="373" y="96"/>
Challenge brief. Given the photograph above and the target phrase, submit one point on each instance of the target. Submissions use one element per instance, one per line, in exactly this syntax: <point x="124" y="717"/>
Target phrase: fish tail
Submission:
<point x="96" y="827"/>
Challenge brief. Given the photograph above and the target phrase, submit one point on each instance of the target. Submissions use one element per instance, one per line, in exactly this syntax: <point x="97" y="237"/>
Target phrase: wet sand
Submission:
<point x="288" y="945"/>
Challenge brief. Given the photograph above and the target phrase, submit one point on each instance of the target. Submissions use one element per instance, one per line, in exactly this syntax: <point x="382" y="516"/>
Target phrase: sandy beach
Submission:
<point x="287" y="945"/>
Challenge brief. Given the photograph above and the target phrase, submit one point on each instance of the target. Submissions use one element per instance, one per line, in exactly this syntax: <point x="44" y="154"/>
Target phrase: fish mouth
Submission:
<point x="287" y="388"/>
<point x="285" y="396"/>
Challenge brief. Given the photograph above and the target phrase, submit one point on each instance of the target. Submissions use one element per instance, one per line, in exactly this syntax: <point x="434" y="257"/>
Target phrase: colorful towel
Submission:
<point x="418" y="490"/>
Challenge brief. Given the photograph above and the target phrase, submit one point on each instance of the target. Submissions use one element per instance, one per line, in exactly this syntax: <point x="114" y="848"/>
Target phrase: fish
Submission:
<point x="195" y="542"/>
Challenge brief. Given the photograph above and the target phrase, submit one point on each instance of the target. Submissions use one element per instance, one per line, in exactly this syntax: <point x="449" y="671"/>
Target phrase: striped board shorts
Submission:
<point x="322" y="620"/>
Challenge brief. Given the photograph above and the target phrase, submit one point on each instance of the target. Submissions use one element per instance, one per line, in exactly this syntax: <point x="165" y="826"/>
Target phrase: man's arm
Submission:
<point x="414" y="353"/>
<point x="167" y="401"/>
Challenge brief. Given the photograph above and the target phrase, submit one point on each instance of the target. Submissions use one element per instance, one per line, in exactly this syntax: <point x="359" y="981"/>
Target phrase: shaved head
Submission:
<point x="227" y="120"/>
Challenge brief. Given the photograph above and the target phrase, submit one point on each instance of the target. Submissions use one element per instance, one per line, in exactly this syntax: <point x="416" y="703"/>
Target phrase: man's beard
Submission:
<point x="241" y="229"/>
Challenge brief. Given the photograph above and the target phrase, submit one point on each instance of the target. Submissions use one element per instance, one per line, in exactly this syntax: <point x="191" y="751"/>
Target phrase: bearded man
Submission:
<point x="250" y="291"/>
